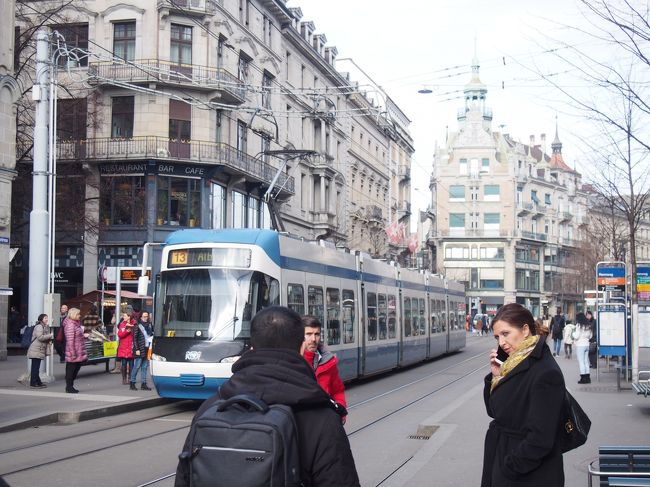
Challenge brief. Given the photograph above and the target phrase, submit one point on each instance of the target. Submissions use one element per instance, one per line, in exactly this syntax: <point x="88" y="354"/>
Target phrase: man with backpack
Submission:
<point x="272" y="389"/>
<point x="557" y="331"/>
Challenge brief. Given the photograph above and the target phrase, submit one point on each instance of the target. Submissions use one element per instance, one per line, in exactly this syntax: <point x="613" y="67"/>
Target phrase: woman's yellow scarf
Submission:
<point x="518" y="356"/>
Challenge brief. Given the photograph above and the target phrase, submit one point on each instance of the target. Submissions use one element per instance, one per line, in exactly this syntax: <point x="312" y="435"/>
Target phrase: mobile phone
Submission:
<point x="502" y="356"/>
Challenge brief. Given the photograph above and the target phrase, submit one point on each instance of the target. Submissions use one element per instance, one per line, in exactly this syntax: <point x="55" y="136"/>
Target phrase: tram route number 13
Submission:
<point x="179" y="257"/>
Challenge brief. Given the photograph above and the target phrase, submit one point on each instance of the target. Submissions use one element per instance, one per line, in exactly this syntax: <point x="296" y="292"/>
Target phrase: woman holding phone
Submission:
<point x="524" y="394"/>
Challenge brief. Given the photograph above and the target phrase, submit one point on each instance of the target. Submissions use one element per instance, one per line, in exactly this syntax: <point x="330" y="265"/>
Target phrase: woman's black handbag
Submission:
<point x="575" y="424"/>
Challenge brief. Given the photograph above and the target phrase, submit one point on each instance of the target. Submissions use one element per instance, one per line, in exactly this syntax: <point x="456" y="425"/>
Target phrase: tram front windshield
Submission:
<point x="215" y="304"/>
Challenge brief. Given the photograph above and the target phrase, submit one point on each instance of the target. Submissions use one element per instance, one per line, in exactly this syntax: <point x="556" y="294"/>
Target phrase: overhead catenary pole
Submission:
<point x="39" y="216"/>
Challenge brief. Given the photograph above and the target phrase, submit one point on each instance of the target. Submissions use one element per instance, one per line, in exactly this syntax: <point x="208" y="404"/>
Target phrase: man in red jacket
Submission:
<point x="323" y="362"/>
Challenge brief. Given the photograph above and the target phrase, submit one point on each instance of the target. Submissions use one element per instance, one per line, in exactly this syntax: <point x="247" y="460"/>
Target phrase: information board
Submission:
<point x="611" y="325"/>
<point x="611" y="279"/>
<point x="643" y="282"/>
<point x="644" y="329"/>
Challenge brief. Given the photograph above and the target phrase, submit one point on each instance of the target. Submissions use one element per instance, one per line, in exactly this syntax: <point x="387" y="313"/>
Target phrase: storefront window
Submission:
<point x="122" y="200"/>
<point x="218" y="206"/>
<point x="178" y="202"/>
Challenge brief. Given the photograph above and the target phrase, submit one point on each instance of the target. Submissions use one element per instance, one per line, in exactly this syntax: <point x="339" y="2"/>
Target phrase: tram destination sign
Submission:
<point x="207" y="257"/>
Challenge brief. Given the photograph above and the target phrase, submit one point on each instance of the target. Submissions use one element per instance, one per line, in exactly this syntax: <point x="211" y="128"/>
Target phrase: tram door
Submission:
<point x="446" y="322"/>
<point x="363" y="319"/>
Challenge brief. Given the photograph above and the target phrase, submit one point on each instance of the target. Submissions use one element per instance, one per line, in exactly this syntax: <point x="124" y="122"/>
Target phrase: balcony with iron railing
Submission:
<point x="162" y="148"/>
<point x="469" y="232"/>
<point x="565" y="216"/>
<point x="403" y="208"/>
<point x="231" y="89"/>
<point x="524" y="208"/>
<point x="542" y="237"/>
<point x="539" y="209"/>
<point x="404" y="172"/>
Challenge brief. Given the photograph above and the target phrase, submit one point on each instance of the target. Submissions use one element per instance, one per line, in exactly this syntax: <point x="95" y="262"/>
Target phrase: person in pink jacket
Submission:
<point x="125" y="347"/>
<point x="75" y="350"/>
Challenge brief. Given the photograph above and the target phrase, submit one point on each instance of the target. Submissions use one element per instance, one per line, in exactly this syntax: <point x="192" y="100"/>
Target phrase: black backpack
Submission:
<point x="242" y="441"/>
<point x="26" y="340"/>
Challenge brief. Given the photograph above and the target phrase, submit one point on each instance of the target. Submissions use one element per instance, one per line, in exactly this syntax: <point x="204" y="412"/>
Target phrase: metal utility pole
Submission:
<point x="39" y="216"/>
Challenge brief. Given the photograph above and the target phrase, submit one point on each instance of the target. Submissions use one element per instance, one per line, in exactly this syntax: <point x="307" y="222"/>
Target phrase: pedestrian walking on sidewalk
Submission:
<point x="568" y="339"/>
<point x="39" y="348"/>
<point x="125" y="346"/>
<point x="140" y="349"/>
<point x="593" y="343"/>
<point x="75" y="349"/>
<point x="581" y="335"/>
<point x="557" y="330"/>
<point x="524" y="395"/>
<point x="60" y="348"/>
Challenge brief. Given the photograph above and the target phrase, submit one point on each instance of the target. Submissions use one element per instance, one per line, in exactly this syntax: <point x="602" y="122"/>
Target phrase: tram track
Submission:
<point x="480" y="355"/>
<point x="92" y="451"/>
<point x="107" y="449"/>
<point x="112" y="427"/>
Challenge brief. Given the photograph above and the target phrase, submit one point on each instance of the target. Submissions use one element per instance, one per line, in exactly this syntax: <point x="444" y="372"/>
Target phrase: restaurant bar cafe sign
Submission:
<point x="160" y="168"/>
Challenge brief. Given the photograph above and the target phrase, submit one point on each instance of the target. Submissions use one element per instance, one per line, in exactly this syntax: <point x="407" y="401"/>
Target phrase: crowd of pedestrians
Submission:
<point x="134" y="333"/>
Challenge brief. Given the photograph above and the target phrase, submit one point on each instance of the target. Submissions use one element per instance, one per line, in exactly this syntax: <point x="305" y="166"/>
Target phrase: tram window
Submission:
<point x="296" y="298"/>
<point x="333" y="316"/>
<point x="415" y="317"/>
<point x="349" y="307"/>
<point x="441" y="320"/>
<point x="432" y="311"/>
<point x="392" y="315"/>
<point x="444" y="321"/>
<point x="315" y="302"/>
<point x="407" y="317"/>
<point x="423" y="317"/>
<point x="371" y="306"/>
<point x="213" y="303"/>
<point x="382" y="309"/>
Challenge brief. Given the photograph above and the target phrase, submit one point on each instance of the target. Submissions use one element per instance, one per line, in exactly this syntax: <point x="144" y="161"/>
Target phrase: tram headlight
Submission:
<point x="229" y="360"/>
<point x="159" y="358"/>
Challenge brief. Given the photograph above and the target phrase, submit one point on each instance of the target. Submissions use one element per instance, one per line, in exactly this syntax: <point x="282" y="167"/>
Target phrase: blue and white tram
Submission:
<point x="376" y="316"/>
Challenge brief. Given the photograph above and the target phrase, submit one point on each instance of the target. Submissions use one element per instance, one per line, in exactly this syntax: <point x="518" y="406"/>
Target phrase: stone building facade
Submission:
<point x="8" y="93"/>
<point x="183" y="115"/>
<point x="508" y="217"/>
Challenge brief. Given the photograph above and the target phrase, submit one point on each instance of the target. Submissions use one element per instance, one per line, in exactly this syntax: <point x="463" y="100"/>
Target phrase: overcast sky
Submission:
<point x="412" y="44"/>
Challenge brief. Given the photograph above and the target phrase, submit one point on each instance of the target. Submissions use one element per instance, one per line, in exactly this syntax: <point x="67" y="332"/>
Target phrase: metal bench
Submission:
<point x="621" y="466"/>
<point x="628" y="482"/>
<point x="643" y="386"/>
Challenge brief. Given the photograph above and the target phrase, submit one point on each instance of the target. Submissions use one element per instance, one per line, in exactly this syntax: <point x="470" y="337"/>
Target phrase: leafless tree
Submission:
<point x="612" y="62"/>
<point x="30" y="18"/>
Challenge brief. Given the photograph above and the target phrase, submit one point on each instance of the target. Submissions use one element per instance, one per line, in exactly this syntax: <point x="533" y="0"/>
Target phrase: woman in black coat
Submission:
<point x="524" y="396"/>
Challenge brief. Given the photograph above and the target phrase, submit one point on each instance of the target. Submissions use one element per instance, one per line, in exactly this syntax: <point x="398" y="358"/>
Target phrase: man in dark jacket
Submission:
<point x="274" y="371"/>
<point x="557" y="331"/>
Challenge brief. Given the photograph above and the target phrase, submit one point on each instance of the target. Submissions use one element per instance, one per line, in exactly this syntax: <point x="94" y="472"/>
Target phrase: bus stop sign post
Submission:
<point x="611" y="279"/>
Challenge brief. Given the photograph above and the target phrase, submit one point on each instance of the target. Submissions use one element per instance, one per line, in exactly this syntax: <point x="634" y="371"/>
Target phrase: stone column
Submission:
<point x="322" y="194"/>
<point x="91" y="230"/>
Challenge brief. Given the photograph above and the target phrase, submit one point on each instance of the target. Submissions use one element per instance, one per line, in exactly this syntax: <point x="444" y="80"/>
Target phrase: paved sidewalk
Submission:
<point x="454" y="454"/>
<point x="100" y="394"/>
